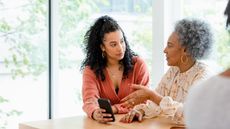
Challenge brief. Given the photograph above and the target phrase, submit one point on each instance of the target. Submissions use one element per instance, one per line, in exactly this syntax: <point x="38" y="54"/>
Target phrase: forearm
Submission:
<point x="155" y="97"/>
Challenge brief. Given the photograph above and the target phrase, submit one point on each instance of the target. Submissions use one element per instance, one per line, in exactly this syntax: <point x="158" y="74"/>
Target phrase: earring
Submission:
<point x="103" y="54"/>
<point x="184" y="61"/>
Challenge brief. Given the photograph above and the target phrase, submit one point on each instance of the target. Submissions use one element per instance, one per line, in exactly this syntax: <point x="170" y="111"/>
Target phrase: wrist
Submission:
<point x="155" y="97"/>
<point x="115" y="110"/>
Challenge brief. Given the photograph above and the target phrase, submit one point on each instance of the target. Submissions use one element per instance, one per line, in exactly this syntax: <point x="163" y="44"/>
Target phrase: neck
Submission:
<point x="187" y="66"/>
<point x="112" y="63"/>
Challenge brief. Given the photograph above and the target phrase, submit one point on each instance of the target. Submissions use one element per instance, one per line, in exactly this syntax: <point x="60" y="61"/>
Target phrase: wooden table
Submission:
<point x="82" y="122"/>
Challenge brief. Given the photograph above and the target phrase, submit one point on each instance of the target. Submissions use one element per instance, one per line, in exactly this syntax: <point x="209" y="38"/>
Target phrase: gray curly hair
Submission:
<point x="196" y="36"/>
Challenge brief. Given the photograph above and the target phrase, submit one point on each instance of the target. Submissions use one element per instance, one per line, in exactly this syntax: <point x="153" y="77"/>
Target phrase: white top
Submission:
<point x="208" y="104"/>
<point x="174" y="88"/>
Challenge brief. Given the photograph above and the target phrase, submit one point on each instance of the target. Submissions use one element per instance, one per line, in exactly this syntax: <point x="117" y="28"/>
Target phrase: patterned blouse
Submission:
<point x="174" y="88"/>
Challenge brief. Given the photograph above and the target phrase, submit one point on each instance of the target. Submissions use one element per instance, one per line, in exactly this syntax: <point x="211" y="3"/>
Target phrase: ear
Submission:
<point x="183" y="50"/>
<point x="102" y="47"/>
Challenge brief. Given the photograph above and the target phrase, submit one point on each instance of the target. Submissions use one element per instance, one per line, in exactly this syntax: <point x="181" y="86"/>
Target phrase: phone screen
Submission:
<point x="105" y="104"/>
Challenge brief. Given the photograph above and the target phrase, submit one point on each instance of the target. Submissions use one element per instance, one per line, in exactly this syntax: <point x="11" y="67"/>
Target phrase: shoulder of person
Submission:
<point x="204" y="86"/>
<point x="205" y="69"/>
<point x="88" y="70"/>
<point x="138" y="59"/>
<point x="226" y="73"/>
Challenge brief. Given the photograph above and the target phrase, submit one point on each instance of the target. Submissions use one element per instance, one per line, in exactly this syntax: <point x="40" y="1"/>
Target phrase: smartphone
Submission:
<point x="105" y="104"/>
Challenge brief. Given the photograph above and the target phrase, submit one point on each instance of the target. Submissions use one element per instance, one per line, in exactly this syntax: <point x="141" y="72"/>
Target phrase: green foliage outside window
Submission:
<point x="22" y="35"/>
<point x="212" y="14"/>
<point x="5" y="115"/>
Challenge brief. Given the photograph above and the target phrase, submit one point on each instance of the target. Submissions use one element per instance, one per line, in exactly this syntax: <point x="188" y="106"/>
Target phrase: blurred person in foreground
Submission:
<point x="208" y="105"/>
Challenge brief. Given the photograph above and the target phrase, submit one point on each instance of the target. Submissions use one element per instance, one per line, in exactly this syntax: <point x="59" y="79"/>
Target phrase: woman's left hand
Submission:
<point x="129" y="117"/>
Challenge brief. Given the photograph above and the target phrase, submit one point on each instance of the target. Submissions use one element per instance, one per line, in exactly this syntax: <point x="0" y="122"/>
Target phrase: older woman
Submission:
<point x="191" y="40"/>
<point x="108" y="69"/>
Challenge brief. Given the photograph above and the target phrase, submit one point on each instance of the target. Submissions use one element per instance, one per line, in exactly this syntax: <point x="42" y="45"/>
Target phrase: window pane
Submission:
<point x="75" y="19"/>
<point x="23" y="61"/>
<point x="220" y="57"/>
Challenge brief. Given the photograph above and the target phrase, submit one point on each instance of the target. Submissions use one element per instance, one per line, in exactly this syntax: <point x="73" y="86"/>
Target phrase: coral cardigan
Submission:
<point x="94" y="88"/>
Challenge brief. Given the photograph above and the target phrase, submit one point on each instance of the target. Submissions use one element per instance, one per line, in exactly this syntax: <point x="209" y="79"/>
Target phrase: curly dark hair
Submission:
<point x="227" y="13"/>
<point x="196" y="36"/>
<point x="92" y="41"/>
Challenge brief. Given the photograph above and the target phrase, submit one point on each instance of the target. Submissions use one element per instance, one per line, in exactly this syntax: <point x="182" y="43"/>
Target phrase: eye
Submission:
<point x="113" y="44"/>
<point x="169" y="45"/>
<point x="122" y="41"/>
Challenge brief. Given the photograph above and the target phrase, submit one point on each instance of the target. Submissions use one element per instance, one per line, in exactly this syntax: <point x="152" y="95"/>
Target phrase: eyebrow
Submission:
<point x="116" y="41"/>
<point x="112" y="42"/>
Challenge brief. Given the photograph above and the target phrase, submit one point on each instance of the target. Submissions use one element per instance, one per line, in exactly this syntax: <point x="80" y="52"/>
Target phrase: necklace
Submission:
<point x="114" y="74"/>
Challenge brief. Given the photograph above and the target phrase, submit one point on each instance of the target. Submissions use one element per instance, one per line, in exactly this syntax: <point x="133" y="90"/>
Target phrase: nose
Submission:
<point x="119" y="47"/>
<point x="165" y="50"/>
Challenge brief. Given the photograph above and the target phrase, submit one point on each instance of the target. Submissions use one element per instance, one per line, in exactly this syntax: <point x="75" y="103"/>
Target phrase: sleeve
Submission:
<point x="172" y="109"/>
<point x="141" y="72"/>
<point x="167" y="108"/>
<point x="90" y="92"/>
<point x="162" y="86"/>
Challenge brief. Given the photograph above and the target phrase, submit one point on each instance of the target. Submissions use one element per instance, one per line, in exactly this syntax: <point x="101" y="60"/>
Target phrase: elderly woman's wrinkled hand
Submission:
<point x="140" y="95"/>
<point x="102" y="117"/>
<point x="132" y="115"/>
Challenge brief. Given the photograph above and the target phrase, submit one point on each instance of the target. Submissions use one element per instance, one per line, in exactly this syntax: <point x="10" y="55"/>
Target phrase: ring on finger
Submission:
<point x="133" y="103"/>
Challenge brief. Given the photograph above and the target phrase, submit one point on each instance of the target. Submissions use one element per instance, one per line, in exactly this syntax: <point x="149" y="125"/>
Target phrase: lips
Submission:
<point x="120" y="54"/>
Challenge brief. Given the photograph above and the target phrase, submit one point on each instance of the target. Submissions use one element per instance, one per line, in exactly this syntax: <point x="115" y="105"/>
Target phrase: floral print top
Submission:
<point x="174" y="88"/>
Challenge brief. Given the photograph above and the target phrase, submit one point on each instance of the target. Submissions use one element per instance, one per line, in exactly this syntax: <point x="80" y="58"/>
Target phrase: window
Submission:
<point x="220" y="58"/>
<point x="24" y="57"/>
<point x="23" y="61"/>
<point x="24" y="47"/>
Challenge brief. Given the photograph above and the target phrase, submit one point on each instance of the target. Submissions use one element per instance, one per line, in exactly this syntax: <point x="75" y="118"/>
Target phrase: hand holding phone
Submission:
<point x="105" y="104"/>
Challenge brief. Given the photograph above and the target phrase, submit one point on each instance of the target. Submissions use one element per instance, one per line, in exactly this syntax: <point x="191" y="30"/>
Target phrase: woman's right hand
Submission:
<point x="140" y="95"/>
<point x="100" y="116"/>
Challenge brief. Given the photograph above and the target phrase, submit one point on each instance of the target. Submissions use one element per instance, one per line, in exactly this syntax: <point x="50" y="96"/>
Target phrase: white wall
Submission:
<point x="165" y="14"/>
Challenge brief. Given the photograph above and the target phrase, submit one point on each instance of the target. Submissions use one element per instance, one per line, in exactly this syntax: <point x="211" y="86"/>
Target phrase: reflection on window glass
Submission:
<point x="23" y="61"/>
<point x="215" y="16"/>
<point x="134" y="16"/>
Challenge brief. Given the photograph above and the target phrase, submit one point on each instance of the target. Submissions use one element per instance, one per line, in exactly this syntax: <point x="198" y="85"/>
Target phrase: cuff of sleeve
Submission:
<point x="179" y="115"/>
<point x="150" y="109"/>
<point x="168" y="106"/>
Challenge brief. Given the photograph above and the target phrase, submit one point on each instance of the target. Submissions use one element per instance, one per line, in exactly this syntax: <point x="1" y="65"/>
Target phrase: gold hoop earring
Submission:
<point x="184" y="61"/>
<point x="103" y="54"/>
